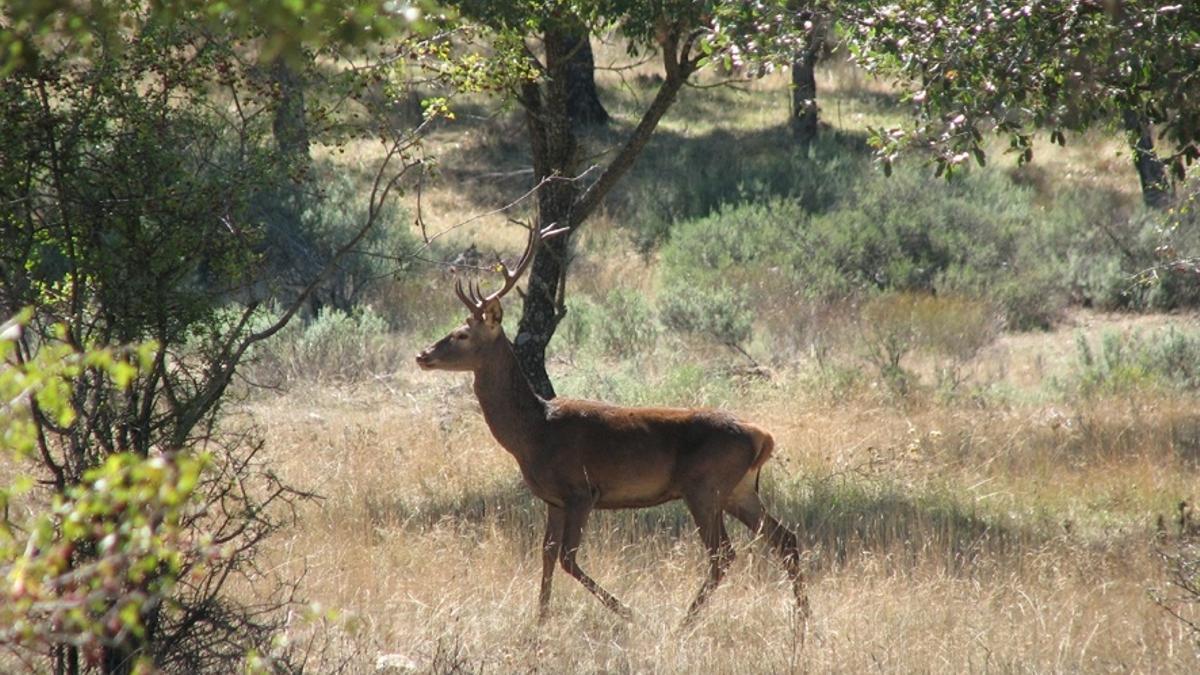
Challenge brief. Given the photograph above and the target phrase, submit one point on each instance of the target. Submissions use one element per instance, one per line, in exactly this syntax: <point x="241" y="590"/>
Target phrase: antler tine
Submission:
<point x="512" y="276"/>
<point x="475" y="306"/>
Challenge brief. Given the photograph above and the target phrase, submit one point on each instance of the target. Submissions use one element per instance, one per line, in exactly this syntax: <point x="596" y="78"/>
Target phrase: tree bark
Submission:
<point x="290" y="125"/>
<point x="804" y="100"/>
<point x="1152" y="172"/>
<point x="560" y="199"/>
<point x="553" y="144"/>
<point x="583" y="101"/>
<point x="804" y="87"/>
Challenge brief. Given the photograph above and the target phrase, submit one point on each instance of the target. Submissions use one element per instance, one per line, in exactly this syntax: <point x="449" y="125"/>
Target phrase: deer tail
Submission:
<point x="765" y="444"/>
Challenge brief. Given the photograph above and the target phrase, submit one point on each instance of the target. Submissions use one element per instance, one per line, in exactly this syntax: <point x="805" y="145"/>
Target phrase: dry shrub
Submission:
<point x="949" y="329"/>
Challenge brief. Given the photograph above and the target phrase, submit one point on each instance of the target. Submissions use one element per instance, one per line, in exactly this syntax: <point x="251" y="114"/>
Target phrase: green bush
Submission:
<point x="306" y="222"/>
<point x="701" y="177"/>
<point x="333" y="346"/>
<point x="1169" y="357"/>
<point x="949" y="330"/>
<point x="627" y="325"/>
<point x="978" y="236"/>
<point x="720" y="314"/>
<point x="579" y="325"/>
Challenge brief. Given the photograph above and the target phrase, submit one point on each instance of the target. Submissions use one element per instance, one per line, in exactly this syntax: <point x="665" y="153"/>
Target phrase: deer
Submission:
<point x="578" y="455"/>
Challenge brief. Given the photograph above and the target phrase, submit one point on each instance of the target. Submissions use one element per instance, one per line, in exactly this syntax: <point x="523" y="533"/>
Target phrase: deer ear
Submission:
<point x="493" y="313"/>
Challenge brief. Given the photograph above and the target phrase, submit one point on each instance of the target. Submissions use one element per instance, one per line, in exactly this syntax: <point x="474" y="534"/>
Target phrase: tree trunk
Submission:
<point x="553" y="141"/>
<point x="290" y="125"/>
<point x="1152" y="172"/>
<point x="561" y="201"/>
<point x="804" y="87"/>
<point x="583" y="102"/>
<point x="804" y="99"/>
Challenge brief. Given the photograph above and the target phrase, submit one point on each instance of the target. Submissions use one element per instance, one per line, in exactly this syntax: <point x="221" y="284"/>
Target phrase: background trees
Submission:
<point x="1022" y="68"/>
<point x="543" y="41"/>
<point x="170" y="201"/>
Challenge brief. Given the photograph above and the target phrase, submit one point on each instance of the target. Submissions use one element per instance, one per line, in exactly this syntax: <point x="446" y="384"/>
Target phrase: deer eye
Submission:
<point x="460" y="336"/>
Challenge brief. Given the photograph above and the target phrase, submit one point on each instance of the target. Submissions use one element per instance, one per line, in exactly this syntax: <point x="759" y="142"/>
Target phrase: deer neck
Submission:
<point x="514" y="413"/>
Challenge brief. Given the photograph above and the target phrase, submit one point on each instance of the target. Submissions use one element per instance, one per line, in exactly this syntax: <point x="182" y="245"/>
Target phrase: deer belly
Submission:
<point x="635" y="492"/>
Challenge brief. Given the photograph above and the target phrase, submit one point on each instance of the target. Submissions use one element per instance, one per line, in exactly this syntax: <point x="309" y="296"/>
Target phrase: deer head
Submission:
<point x="467" y="347"/>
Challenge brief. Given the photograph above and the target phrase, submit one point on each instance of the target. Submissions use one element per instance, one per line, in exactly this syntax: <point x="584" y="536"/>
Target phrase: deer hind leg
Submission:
<point x="551" y="545"/>
<point x="576" y="518"/>
<point x="748" y="508"/>
<point x="706" y="510"/>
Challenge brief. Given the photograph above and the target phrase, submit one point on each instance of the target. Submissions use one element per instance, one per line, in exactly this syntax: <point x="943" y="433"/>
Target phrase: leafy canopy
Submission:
<point x="1015" y="66"/>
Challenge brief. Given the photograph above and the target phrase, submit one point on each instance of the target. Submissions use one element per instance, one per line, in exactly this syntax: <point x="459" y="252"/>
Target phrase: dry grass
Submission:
<point x="949" y="538"/>
<point x="1009" y="533"/>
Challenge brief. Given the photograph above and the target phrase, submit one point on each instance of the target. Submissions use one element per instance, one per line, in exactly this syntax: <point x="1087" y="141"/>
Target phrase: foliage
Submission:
<point x="580" y="323"/>
<point x="1161" y="273"/>
<point x="307" y="220"/>
<point x="950" y="330"/>
<point x="33" y="29"/>
<point x="628" y="326"/>
<point x="124" y="515"/>
<point x="718" y="313"/>
<point x="333" y="345"/>
<point x="686" y="181"/>
<point x="978" y="236"/>
<point x="129" y="191"/>
<point x="888" y="333"/>
<point x="1126" y="361"/>
<point x="1021" y="67"/>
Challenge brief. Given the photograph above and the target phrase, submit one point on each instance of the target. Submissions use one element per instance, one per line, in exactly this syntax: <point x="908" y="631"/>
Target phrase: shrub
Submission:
<point x="887" y="334"/>
<point x="950" y="330"/>
<point x="720" y="314"/>
<point x="627" y="325"/>
<point x="334" y="345"/>
<point x="306" y="223"/>
<point x="725" y="170"/>
<point x="1169" y="357"/>
<point x="579" y="325"/>
<point x="978" y="236"/>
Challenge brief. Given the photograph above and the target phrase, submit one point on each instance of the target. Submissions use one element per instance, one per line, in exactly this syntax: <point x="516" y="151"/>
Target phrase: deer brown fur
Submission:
<point x="582" y="455"/>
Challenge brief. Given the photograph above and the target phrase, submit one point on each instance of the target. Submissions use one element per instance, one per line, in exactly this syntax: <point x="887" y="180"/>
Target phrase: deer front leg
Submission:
<point x="551" y="545"/>
<point x="576" y="517"/>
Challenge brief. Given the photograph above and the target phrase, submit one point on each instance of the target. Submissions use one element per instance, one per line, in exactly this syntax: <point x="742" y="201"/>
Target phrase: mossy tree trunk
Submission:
<point x="564" y="199"/>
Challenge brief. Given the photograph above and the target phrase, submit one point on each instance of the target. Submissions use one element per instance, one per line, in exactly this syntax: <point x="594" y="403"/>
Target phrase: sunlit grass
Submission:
<point x="939" y="536"/>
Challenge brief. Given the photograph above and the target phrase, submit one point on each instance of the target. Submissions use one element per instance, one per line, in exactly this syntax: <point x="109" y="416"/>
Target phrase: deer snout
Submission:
<point x="425" y="360"/>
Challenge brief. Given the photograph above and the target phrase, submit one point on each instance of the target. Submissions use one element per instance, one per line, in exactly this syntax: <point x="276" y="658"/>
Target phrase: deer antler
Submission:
<point x="474" y="298"/>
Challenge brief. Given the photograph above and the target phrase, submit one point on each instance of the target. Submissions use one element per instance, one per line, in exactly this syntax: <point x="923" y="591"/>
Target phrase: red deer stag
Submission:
<point x="582" y="455"/>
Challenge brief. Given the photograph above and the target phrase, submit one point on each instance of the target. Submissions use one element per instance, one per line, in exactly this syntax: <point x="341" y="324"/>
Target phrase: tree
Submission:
<point x="534" y="45"/>
<point x="805" y="111"/>
<point x="34" y="27"/>
<point x="583" y="100"/>
<point x="1019" y="68"/>
<point x="130" y="192"/>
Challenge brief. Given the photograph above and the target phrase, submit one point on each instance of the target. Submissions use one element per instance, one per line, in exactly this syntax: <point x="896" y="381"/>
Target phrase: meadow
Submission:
<point x="989" y="461"/>
<point x="964" y="536"/>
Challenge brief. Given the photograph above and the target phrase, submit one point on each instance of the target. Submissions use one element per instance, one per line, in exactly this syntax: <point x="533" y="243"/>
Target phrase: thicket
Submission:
<point x="136" y="246"/>
<point x="980" y="235"/>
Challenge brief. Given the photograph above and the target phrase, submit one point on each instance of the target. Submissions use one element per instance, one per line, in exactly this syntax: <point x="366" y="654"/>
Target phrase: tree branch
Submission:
<point x="678" y="69"/>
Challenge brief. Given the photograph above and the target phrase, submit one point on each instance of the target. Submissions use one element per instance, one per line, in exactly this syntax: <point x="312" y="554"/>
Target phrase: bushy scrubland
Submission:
<point x="985" y="465"/>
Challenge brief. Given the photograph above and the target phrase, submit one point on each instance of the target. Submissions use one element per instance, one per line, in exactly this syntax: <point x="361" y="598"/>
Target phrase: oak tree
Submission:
<point x="1021" y="68"/>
